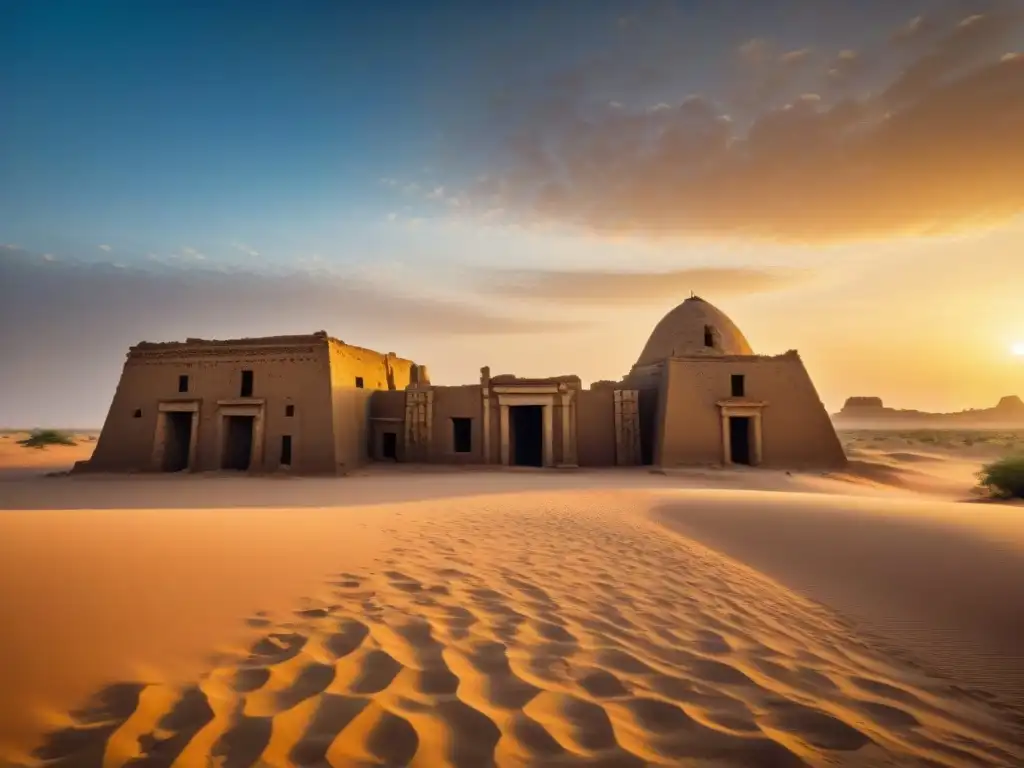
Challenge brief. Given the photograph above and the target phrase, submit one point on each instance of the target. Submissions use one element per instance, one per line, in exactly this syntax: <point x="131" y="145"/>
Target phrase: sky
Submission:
<point x="529" y="186"/>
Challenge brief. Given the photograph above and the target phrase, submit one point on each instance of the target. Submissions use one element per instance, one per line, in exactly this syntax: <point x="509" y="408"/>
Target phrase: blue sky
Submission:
<point x="408" y="150"/>
<point x="152" y="126"/>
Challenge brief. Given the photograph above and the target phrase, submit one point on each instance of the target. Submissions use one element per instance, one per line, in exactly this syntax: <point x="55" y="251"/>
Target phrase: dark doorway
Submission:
<point x="739" y="439"/>
<point x="286" y="450"/>
<point x="177" y="440"/>
<point x="389" y="445"/>
<point x="238" y="443"/>
<point x="246" y="389"/>
<point x="526" y="424"/>
<point x="462" y="434"/>
<point x="647" y="402"/>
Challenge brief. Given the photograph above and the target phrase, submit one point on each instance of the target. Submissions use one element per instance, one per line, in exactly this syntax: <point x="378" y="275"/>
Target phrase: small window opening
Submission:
<point x="738" y="385"/>
<point x="709" y="336"/>
<point x="246" y="390"/>
<point x="183" y="383"/>
<point x="286" y="450"/>
<point x="359" y="382"/>
<point x="462" y="434"/>
<point x="289" y="410"/>
<point x="137" y="414"/>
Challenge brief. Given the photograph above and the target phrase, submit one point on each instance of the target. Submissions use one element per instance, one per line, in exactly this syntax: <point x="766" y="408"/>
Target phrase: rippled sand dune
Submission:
<point x="543" y="629"/>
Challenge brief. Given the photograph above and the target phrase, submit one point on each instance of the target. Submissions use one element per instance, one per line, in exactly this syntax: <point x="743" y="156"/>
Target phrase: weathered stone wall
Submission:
<point x="351" y="404"/>
<point x="378" y="371"/>
<point x="796" y="429"/>
<point x="595" y="427"/>
<point x="286" y="371"/>
<point x="453" y="402"/>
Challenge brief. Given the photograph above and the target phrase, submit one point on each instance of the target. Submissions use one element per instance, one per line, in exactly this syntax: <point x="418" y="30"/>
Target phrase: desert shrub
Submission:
<point x="40" y="438"/>
<point x="1004" y="478"/>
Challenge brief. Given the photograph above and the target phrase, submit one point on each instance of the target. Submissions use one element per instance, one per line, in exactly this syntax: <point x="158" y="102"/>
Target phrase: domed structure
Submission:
<point x="694" y="328"/>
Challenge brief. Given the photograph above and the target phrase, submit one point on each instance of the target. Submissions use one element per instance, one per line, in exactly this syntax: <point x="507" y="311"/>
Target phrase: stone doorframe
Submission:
<point x="752" y="409"/>
<point x="379" y="425"/>
<point x="159" y="435"/>
<point x="244" y="406"/>
<point x="546" y="397"/>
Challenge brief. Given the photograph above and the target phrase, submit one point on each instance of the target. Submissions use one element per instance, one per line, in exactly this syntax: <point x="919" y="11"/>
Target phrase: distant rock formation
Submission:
<point x="1009" y="411"/>
<point x="862" y="402"/>
<point x="1010" y="404"/>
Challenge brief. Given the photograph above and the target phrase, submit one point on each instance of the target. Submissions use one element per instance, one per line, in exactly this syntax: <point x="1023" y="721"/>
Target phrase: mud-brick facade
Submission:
<point x="697" y="395"/>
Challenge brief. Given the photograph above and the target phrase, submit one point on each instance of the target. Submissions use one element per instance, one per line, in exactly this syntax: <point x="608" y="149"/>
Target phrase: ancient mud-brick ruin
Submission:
<point x="697" y="395"/>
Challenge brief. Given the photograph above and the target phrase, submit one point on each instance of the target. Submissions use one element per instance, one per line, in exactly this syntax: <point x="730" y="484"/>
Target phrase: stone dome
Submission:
<point x="694" y="328"/>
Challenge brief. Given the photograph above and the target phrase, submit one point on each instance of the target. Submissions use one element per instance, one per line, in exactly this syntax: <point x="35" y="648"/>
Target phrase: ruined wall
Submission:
<point x="457" y="402"/>
<point x="595" y="427"/>
<point x="796" y="429"/>
<point x="494" y="446"/>
<point x="378" y="371"/>
<point x="286" y="371"/>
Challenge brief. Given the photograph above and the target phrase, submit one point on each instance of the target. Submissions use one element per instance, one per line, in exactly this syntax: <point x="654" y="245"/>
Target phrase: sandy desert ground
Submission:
<point x="740" y="618"/>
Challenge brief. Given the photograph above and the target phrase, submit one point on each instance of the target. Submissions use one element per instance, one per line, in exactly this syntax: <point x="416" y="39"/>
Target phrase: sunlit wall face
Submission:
<point x="530" y="188"/>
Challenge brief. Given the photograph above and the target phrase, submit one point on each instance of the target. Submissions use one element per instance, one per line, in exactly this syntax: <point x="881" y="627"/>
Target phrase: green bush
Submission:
<point x="40" y="438"/>
<point x="1004" y="478"/>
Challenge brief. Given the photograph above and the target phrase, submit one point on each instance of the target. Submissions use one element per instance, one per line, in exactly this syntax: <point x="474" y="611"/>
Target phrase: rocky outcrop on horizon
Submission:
<point x="1009" y="411"/>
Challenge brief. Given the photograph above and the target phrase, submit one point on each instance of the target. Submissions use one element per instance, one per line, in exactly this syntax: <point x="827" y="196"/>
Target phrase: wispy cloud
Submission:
<point x="85" y="314"/>
<point x="106" y="248"/>
<point x="117" y="302"/>
<point x="609" y="287"/>
<point x="819" y="153"/>
<point x="246" y="249"/>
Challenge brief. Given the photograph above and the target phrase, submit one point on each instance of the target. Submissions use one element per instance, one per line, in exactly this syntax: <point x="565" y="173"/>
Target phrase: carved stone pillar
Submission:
<point x="569" y="458"/>
<point x="505" y="458"/>
<point x="549" y="436"/>
<point x="627" y="427"/>
<point x="419" y="422"/>
<point x="485" y="389"/>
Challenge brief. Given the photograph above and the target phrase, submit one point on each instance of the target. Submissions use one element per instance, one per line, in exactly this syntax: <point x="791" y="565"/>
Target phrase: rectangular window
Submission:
<point x="286" y="450"/>
<point x="738" y="385"/>
<point x="246" y="390"/>
<point x="359" y="382"/>
<point x="289" y="410"/>
<point x="709" y="336"/>
<point x="462" y="434"/>
<point x="183" y="383"/>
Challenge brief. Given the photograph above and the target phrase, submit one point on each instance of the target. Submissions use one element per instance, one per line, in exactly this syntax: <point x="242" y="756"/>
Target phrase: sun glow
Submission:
<point x="1018" y="349"/>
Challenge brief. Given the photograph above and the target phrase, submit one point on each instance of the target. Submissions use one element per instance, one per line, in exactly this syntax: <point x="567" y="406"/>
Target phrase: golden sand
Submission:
<point x="588" y="619"/>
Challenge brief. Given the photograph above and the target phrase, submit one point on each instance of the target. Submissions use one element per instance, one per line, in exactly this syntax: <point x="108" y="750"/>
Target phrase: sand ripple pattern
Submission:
<point x="519" y="633"/>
